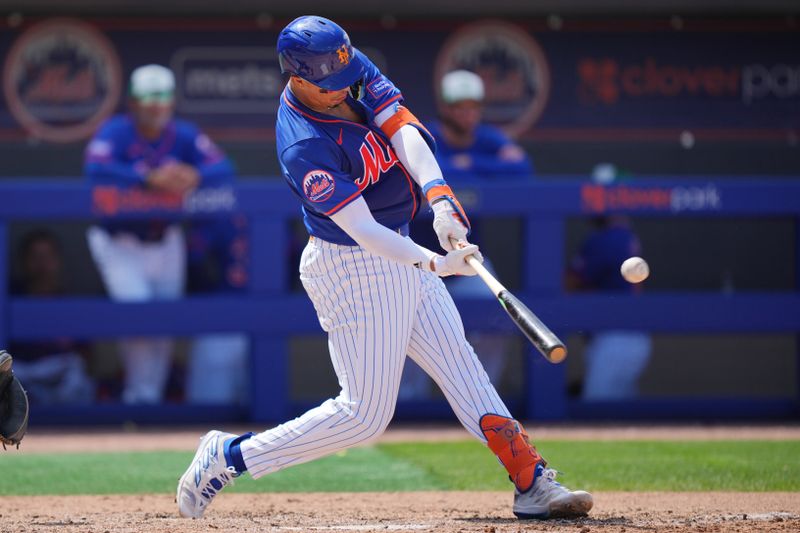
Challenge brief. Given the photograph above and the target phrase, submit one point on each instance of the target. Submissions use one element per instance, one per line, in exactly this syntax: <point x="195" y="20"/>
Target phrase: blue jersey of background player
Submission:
<point x="120" y="155"/>
<point x="480" y="157"/>
<point x="329" y="162"/>
<point x="466" y="147"/>
<point x="149" y="149"/>
<point x="596" y="266"/>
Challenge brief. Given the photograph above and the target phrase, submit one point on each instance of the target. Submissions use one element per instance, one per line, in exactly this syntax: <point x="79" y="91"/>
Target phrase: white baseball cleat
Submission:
<point x="549" y="499"/>
<point x="206" y="476"/>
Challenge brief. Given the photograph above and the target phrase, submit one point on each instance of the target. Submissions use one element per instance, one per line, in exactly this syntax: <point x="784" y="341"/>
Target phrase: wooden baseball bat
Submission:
<point x="537" y="332"/>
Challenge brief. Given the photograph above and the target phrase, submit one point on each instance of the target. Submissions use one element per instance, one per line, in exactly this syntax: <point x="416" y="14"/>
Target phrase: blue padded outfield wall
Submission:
<point x="270" y="313"/>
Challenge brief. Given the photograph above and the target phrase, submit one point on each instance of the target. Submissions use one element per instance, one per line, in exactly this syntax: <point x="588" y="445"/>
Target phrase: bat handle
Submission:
<point x="495" y="286"/>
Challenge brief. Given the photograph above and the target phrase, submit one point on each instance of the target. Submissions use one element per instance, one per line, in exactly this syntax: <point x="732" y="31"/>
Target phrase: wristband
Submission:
<point x="437" y="190"/>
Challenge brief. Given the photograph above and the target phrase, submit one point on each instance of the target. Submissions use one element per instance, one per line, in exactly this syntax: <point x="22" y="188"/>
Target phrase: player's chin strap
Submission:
<point x="509" y="442"/>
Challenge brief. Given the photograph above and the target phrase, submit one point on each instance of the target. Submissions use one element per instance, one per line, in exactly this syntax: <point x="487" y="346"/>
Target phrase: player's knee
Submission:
<point x="367" y="422"/>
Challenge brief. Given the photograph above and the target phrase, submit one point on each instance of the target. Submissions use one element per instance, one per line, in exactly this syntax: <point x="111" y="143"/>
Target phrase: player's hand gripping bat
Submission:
<point x="540" y="335"/>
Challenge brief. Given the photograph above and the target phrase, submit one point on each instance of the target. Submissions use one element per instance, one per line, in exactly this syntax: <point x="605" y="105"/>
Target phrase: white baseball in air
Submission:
<point x="635" y="270"/>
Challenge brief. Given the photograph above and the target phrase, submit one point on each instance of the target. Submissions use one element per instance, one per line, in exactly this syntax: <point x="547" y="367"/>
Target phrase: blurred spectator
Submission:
<point x="468" y="149"/>
<point x="144" y="260"/>
<point x="54" y="372"/>
<point x="614" y="359"/>
<point x="218" y="262"/>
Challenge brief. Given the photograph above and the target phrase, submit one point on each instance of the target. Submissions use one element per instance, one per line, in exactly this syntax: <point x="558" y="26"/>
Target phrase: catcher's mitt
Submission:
<point x="13" y="404"/>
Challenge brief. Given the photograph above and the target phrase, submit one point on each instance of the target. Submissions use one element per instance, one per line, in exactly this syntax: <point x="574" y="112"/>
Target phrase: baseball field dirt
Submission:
<point x="447" y="512"/>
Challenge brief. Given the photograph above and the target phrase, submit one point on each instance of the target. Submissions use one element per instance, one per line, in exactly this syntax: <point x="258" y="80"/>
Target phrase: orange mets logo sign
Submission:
<point x="344" y="54"/>
<point x="61" y="79"/>
<point x="318" y="186"/>
<point x="512" y="65"/>
<point x="376" y="161"/>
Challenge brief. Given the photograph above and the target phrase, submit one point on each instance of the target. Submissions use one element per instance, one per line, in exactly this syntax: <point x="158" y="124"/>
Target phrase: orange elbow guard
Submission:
<point x="509" y="442"/>
<point x="398" y="120"/>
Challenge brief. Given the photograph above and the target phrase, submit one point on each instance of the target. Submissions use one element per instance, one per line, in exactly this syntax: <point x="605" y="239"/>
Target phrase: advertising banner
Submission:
<point x="609" y="80"/>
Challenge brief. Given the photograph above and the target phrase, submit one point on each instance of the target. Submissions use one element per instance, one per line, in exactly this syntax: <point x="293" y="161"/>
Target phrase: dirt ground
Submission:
<point x="446" y="512"/>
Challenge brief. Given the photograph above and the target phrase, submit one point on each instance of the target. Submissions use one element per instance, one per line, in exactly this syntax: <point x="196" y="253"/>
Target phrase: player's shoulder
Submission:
<point x="185" y="127"/>
<point x="293" y="127"/>
<point x="312" y="149"/>
<point x="491" y="132"/>
<point x="116" y="125"/>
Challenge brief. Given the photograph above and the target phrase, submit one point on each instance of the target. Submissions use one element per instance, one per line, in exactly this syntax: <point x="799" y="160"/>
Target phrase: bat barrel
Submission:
<point x="537" y="332"/>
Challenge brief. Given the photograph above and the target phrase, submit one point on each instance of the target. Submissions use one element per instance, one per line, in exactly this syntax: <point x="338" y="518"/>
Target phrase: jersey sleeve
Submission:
<point x="212" y="164"/>
<point x="105" y="162"/>
<point x="377" y="92"/>
<point x="382" y="101"/>
<point x="318" y="171"/>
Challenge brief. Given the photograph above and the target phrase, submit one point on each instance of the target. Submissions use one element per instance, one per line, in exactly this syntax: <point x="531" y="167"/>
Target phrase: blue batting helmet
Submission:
<point x="319" y="50"/>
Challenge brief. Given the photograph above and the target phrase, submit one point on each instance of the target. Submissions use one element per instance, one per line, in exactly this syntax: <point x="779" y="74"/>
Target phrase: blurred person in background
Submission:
<point x="141" y="260"/>
<point x="469" y="149"/>
<point x="218" y="263"/>
<point x="614" y="359"/>
<point x="54" y="371"/>
<point x="465" y="146"/>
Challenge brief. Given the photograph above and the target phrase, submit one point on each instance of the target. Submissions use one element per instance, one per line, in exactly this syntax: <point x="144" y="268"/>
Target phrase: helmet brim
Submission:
<point x="344" y="78"/>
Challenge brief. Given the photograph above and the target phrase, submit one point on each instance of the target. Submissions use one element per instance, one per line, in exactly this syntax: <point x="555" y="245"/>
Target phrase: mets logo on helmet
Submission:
<point x="318" y="185"/>
<point x="344" y="54"/>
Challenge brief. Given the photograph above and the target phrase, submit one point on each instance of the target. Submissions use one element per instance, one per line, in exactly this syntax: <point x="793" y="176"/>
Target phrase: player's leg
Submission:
<point x="218" y="369"/>
<point x="492" y="348"/>
<point x="614" y="362"/>
<point x="366" y="304"/>
<point x="164" y="265"/>
<point x="439" y="346"/>
<point x="121" y="261"/>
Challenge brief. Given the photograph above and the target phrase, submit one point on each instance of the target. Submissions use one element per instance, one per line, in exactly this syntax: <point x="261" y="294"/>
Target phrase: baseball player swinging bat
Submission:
<point x="537" y="332"/>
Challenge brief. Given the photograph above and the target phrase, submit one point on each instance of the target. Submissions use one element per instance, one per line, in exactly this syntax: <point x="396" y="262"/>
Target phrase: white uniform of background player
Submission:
<point x="145" y="260"/>
<point x="377" y="294"/>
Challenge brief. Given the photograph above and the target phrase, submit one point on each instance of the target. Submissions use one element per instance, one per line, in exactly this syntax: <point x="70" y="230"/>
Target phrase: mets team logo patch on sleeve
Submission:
<point x="318" y="185"/>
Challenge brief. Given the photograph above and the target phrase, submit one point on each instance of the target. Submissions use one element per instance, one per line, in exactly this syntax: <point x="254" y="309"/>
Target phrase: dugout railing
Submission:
<point x="270" y="313"/>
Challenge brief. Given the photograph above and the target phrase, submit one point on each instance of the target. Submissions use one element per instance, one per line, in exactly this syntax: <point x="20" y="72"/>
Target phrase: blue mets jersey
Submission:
<point x="484" y="159"/>
<point x="329" y="161"/>
<point x="119" y="156"/>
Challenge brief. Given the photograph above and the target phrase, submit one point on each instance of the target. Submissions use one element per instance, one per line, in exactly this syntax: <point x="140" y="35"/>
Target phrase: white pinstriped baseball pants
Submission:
<point x="376" y="312"/>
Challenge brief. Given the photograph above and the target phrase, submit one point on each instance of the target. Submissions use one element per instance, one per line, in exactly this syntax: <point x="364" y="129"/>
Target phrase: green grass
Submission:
<point x="463" y="465"/>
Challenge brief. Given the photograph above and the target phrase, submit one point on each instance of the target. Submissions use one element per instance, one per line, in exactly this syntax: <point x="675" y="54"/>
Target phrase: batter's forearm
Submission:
<point x="416" y="155"/>
<point x="113" y="173"/>
<point x="357" y="221"/>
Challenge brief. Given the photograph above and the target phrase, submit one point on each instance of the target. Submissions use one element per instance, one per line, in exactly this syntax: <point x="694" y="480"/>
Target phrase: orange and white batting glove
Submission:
<point x="449" y="221"/>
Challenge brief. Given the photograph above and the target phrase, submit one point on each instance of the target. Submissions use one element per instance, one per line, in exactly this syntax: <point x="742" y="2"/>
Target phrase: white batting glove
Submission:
<point x="454" y="263"/>
<point x="450" y="221"/>
<point x="447" y="224"/>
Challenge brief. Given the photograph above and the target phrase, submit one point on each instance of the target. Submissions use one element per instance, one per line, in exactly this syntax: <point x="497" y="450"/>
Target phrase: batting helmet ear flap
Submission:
<point x="319" y="50"/>
<point x="357" y="89"/>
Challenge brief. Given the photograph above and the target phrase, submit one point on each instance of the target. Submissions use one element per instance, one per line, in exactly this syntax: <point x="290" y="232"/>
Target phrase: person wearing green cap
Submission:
<point x="147" y="148"/>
